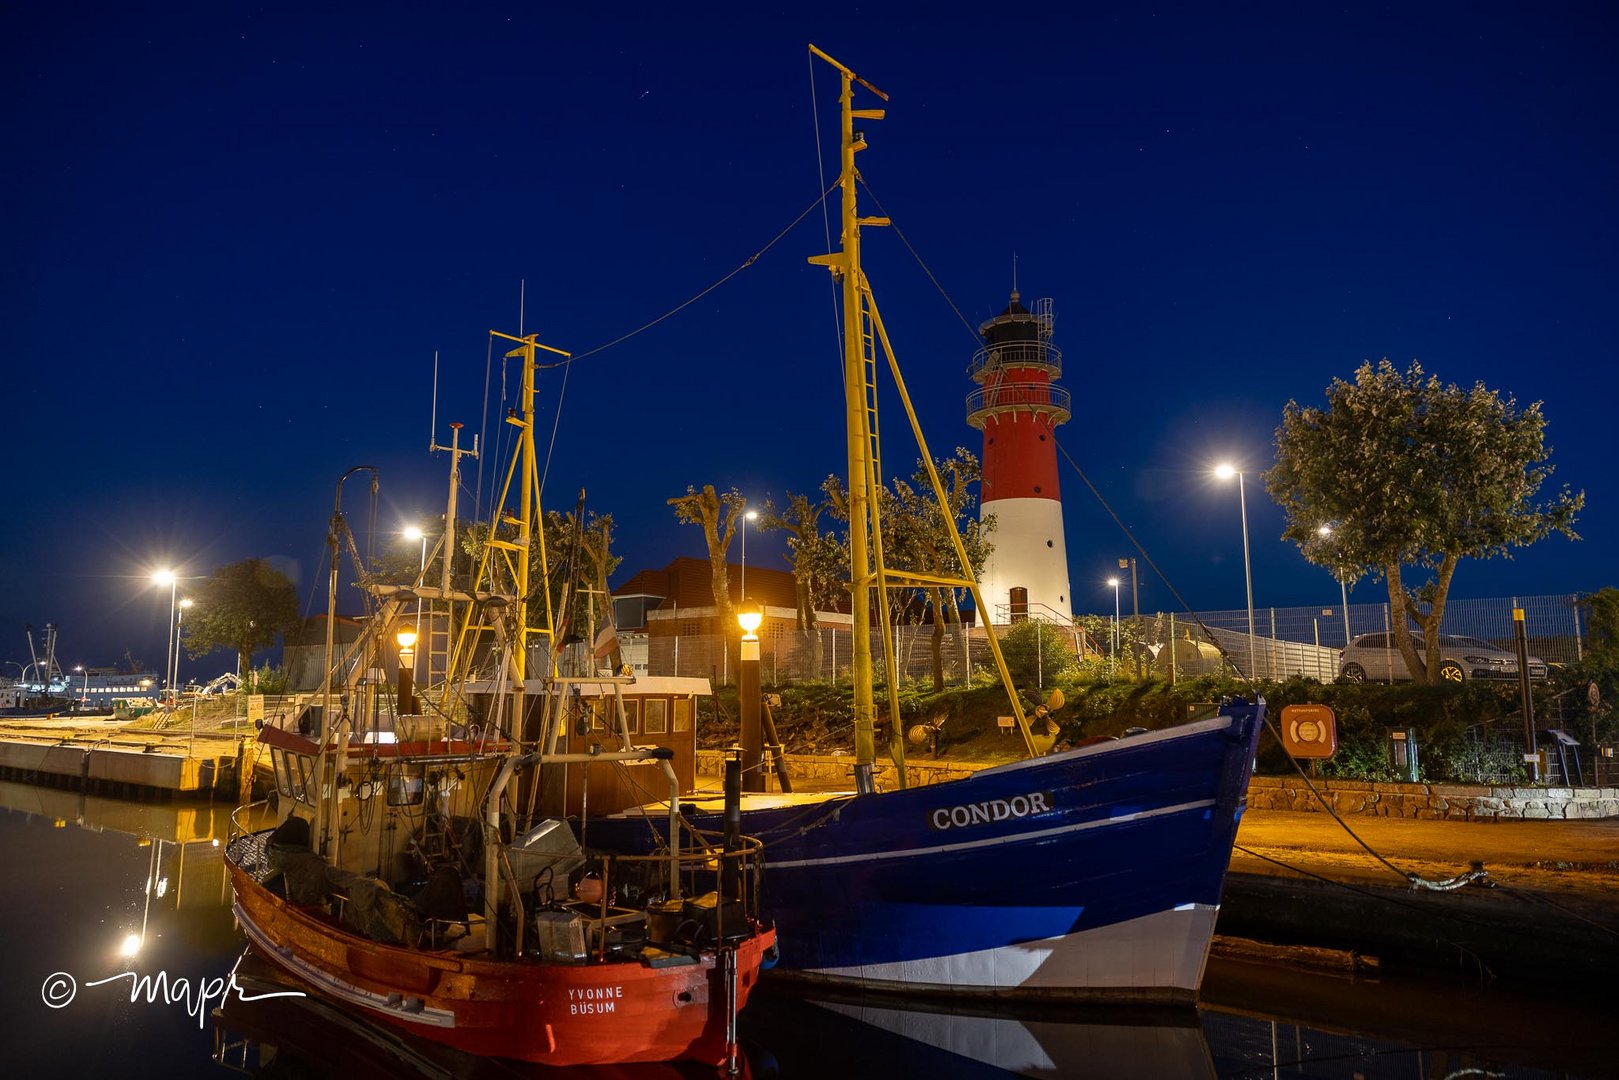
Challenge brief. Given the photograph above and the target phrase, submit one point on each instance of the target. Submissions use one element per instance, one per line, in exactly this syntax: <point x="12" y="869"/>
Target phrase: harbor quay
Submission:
<point x="1488" y="883"/>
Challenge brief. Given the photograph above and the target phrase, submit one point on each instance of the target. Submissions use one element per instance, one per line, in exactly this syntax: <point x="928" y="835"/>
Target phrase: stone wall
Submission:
<point x="1455" y="802"/>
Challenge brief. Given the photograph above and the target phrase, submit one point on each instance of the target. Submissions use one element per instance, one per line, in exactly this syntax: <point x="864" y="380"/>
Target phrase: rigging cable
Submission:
<point x="1415" y="880"/>
<point x="915" y="255"/>
<point x="826" y="217"/>
<point x="749" y="261"/>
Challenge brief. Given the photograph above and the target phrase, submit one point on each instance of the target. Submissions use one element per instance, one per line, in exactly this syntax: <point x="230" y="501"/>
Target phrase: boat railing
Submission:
<point x="239" y="818"/>
<point x="714" y="900"/>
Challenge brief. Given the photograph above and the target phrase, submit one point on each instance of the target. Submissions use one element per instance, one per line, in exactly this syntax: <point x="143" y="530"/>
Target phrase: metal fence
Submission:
<point x="1287" y="642"/>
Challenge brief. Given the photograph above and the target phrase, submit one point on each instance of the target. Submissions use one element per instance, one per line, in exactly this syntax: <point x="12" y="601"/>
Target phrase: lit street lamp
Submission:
<point x="179" y="617"/>
<point x="407" y="692"/>
<point x="414" y="533"/>
<point x="1225" y="472"/>
<point x="166" y="577"/>
<point x="1343" y="585"/>
<point x="1114" y="658"/>
<point x="84" y="692"/>
<point x="749" y="615"/>
<point x="742" y="585"/>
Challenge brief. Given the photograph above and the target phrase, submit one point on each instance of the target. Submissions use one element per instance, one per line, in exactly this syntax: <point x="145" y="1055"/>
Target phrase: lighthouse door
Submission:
<point x="1020" y="603"/>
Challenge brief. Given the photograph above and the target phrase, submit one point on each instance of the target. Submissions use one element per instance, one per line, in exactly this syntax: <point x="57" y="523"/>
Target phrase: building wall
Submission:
<point x="1029" y="552"/>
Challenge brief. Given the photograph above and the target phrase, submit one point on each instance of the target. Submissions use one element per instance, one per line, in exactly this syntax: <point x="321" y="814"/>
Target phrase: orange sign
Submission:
<point x="1309" y="731"/>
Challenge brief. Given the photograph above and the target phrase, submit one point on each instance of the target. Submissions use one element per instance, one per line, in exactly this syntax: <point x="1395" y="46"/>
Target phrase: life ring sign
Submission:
<point x="1309" y="731"/>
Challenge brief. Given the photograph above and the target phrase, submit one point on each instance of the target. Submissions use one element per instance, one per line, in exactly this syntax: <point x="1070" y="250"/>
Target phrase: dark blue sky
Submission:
<point x="235" y="236"/>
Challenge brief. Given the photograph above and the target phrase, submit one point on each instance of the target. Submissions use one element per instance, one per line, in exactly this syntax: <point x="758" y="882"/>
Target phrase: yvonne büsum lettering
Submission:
<point x="990" y="810"/>
<point x="60" y="988"/>
<point x="590" y="1000"/>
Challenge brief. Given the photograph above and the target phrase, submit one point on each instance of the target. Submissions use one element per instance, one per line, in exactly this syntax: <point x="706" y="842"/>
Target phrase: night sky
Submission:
<point x="235" y="236"/>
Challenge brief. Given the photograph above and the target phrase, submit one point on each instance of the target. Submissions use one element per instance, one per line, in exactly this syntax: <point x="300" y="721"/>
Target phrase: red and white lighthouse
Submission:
<point x="1018" y="407"/>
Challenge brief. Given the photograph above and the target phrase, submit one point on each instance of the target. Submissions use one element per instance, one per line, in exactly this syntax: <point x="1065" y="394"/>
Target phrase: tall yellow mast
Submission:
<point x="868" y="574"/>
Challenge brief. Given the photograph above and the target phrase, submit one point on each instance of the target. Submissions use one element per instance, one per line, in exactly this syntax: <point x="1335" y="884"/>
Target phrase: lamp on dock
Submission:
<point x="407" y="692"/>
<point x="749" y="616"/>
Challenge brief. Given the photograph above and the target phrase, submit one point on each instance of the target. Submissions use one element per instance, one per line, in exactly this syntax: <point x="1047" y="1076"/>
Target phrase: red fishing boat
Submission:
<point x="423" y="870"/>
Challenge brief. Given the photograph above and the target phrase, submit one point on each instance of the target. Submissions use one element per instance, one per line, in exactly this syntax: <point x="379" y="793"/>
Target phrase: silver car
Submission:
<point x="1377" y="657"/>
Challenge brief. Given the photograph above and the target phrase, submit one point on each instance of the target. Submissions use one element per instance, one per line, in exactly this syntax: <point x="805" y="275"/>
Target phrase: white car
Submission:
<point x="1377" y="657"/>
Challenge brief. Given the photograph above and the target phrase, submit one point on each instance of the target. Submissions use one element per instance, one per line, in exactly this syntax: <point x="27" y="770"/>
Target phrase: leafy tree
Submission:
<point x="718" y="516"/>
<point x="1037" y="652"/>
<point x="1601" y="610"/>
<point x="818" y="562"/>
<point x="243" y="606"/>
<point x="1406" y="471"/>
<point x="916" y="537"/>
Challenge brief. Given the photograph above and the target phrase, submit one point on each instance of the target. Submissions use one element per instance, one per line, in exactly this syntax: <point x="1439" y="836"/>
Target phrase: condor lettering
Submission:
<point x="982" y="813"/>
<point x="590" y="1000"/>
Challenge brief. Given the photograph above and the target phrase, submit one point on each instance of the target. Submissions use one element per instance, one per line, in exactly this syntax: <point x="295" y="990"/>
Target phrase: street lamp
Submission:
<point x="1225" y="471"/>
<point x="84" y="692"/>
<point x="742" y="585"/>
<point x="1343" y="585"/>
<point x="749" y="615"/>
<point x="179" y="617"/>
<point x="1113" y="581"/>
<point x="407" y="642"/>
<point x="414" y="533"/>
<point x="166" y="576"/>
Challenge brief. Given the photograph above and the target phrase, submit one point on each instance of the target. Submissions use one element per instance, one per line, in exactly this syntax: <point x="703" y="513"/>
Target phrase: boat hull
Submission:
<point x="1093" y="874"/>
<point x="527" y="1010"/>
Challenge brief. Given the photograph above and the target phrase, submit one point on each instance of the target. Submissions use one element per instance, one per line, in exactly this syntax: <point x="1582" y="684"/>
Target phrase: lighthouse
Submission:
<point x="1018" y="407"/>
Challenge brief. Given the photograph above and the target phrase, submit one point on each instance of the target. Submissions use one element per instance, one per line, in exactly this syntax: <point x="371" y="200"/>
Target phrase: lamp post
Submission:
<point x="179" y="618"/>
<point x="84" y="691"/>
<point x="1135" y="614"/>
<point x="748" y="616"/>
<point x="742" y="584"/>
<point x="414" y="533"/>
<point x="1114" y="650"/>
<point x="1343" y="586"/>
<point x="407" y="642"/>
<point x="1225" y="472"/>
<point x="166" y="576"/>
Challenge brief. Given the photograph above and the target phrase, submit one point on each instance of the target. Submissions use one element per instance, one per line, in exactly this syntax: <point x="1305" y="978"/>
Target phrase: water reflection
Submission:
<point x="84" y="873"/>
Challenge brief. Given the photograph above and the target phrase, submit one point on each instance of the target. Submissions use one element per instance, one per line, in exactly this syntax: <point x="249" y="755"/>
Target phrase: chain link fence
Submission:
<point x="1287" y="642"/>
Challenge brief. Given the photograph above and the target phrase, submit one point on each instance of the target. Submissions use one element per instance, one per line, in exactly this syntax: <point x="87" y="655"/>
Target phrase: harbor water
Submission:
<point x="123" y="948"/>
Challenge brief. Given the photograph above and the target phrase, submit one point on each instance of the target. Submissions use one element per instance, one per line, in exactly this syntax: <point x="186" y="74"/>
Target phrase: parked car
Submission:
<point x="1377" y="657"/>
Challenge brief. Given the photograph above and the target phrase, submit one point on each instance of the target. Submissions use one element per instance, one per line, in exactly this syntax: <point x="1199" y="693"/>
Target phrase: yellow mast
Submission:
<point x="868" y="573"/>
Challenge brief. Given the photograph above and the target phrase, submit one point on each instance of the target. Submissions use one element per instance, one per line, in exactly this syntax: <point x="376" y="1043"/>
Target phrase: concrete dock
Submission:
<point x="158" y="757"/>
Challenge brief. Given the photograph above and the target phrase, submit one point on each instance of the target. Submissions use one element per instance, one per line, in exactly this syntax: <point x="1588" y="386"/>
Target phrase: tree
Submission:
<point x="717" y="515"/>
<point x="916" y="538"/>
<point x="1408" y="472"/>
<point x="243" y="606"/>
<point x="817" y="562"/>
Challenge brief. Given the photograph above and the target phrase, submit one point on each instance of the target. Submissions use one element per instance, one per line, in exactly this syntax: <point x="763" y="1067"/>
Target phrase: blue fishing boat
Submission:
<point x="1089" y="874"/>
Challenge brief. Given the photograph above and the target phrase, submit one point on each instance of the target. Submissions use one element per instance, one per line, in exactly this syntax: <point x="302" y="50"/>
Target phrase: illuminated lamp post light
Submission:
<point x="1113" y="652"/>
<point x="407" y="691"/>
<point x="742" y="583"/>
<point x="749" y="616"/>
<point x="1226" y="471"/>
<point x="161" y="577"/>
<point x="1343" y="585"/>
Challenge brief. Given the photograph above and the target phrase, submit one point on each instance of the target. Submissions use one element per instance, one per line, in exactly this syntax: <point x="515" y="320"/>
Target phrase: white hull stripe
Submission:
<point x="1164" y="951"/>
<point x="337" y="988"/>
<point x="996" y="841"/>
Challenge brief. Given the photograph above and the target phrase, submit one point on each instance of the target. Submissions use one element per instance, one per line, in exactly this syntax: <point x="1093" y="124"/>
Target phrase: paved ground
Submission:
<point x="1572" y="855"/>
